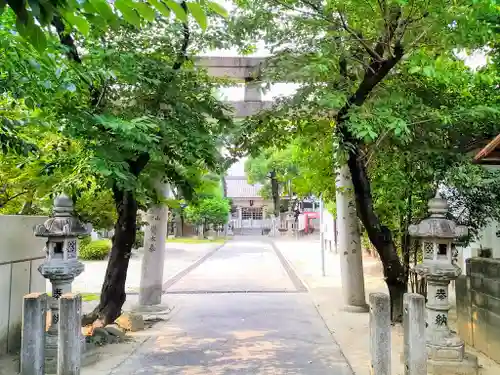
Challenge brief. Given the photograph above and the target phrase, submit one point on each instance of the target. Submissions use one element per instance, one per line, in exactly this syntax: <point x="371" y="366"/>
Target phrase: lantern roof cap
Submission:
<point x="63" y="223"/>
<point x="437" y="225"/>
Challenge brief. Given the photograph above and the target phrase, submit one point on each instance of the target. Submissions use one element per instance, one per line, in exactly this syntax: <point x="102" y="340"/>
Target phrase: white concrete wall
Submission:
<point x="20" y="255"/>
<point x="487" y="239"/>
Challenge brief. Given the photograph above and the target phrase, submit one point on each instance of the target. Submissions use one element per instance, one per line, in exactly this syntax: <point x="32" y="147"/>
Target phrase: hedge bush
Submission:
<point x="84" y="241"/>
<point x="95" y="250"/>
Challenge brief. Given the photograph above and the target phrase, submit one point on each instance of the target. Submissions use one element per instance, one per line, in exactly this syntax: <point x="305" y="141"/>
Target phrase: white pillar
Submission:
<point x="240" y="219"/>
<point x="155" y="234"/>
<point x="349" y="244"/>
<point x="322" y="235"/>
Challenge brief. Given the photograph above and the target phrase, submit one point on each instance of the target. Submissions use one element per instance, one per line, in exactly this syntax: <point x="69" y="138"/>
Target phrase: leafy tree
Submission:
<point x="208" y="211"/>
<point x="304" y="163"/>
<point x="349" y="58"/>
<point x="176" y="134"/>
<point x="35" y="17"/>
<point x="132" y="110"/>
<point x="271" y="169"/>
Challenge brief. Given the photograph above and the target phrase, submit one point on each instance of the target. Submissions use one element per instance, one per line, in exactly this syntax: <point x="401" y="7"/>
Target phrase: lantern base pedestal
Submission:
<point x="454" y="353"/>
<point x="468" y="366"/>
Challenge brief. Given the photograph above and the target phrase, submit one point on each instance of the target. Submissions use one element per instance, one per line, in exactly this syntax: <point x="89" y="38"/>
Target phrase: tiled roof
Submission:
<point x="238" y="187"/>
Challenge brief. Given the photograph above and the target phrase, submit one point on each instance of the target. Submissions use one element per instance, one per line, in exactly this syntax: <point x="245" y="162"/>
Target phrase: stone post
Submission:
<point x="380" y="334"/>
<point x="33" y="334"/>
<point x="69" y="356"/>
<point x="155" y="234"/>
<point x="415" y="352"/>
<point x="349" y="244"/>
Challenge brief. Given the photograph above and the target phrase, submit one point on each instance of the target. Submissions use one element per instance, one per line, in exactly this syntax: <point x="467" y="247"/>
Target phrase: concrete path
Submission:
<point x="351" y="330"/>
<point x="241" y="311"/>
<point x="178" y="256"/>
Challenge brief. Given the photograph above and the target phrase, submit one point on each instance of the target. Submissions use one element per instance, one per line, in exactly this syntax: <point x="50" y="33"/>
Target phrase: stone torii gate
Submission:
<point x="239" y="69"/>
<point x="247" y="70"/>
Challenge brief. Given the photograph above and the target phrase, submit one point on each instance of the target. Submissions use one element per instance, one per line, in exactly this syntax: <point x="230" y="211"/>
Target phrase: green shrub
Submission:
<point x="139" y="239"/>
<point x="84" y="241"/>
<point x="95" y="250"/>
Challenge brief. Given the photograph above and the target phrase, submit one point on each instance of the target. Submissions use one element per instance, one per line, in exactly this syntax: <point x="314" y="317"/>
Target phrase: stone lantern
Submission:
<point x="61" y="265"/>
<point x="445" y="350"/>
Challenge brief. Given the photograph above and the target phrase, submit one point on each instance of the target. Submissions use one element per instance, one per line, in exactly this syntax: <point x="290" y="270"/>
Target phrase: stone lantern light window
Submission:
<point x="428" y="248"/>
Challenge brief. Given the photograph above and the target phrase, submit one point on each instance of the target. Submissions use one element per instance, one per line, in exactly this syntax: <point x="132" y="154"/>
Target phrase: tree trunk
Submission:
<point x="27" y="208"/>
<point x="275" y="193"/>
<point x="113" y="294"/>
<point x="380" y="236"/>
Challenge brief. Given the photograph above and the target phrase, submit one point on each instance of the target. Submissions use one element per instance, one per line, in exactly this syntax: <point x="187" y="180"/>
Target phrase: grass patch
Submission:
<point x="195" y="240"/>
<point x="86" y="297"/>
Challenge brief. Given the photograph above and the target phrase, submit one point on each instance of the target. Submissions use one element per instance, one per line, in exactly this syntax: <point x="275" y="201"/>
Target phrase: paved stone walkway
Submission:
<point x="240" y="311"/>
<point x="178" y="256"/>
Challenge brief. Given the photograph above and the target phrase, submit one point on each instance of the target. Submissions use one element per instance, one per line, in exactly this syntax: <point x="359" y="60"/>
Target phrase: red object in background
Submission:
<point x="310" y="215"/>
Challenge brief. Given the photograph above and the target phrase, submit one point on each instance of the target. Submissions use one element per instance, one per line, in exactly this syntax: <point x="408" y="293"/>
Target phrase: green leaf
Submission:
<point x="177" y="9"/>
<point x="160" y="7"/>
<point x="129" y="14"/>
<point x="22" y="29"/>
<point x="428" y="71"/>
<point x="79" y="22"/>
<point x="145" y="11"/>
<point x="38" y="38"/>
<point x="217" y="8"/>
<point x="33" y="34"/>
<point x="198" y="14"/>
<point x="29" y="103"/>
<point x="35" y="7"/>
<point x="46" y="12"/>
<point x="103" y="8"/>
<point x="88" y="7"/>
<point x="414" y="69"/>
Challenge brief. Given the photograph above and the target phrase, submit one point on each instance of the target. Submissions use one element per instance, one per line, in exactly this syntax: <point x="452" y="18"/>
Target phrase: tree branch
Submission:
<point x="373" y="54"/>
<point x="8" y="199"/>
<point x="136" y="166"/>
<point x="182" y="56"/>
<point x="66" y="39"/>
<point x="293" y="9"/>
<point x="316" y="7"/>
